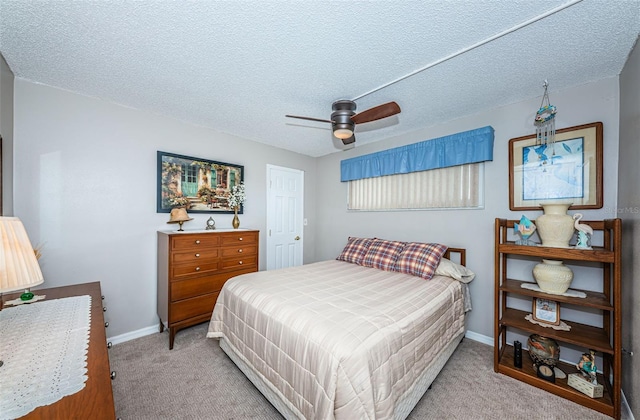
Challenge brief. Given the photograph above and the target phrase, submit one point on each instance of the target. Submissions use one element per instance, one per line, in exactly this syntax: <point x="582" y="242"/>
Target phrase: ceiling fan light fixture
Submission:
<point x="343" y="133"/>
<point x="344" y="118"/>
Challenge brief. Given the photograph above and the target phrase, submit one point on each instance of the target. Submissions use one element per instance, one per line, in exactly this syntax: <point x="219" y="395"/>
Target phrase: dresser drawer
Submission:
<point x="195" y="267"/>
<point x="189" y="308"/>
<point x="239" y="262"/>
<point x="235" y="238"/>
<point x="194" y="241"/>
<point x="195" y="255"/>
<point x="188" y="288"/>
<point x="239" y="250"/>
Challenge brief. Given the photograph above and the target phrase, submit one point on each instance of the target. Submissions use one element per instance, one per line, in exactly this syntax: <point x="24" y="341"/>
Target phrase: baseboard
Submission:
<point x="133" y="334"/>
<point x="479" y="337"/>
<point x="624" y="406"/>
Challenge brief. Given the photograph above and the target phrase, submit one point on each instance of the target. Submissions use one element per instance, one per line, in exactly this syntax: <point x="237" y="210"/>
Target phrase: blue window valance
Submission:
<point x="456" y="149"/>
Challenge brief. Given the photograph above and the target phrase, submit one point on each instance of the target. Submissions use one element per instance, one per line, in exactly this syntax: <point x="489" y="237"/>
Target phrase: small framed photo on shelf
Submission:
<point x="547" y="311"/>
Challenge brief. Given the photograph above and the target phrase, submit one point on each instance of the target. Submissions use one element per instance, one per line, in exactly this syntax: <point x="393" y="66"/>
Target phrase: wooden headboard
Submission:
<point x="462" y="255"/>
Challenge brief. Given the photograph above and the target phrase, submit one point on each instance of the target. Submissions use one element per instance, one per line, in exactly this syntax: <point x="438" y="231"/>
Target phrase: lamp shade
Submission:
<point x="178" y="215"/>
<point x="19" y="268"/>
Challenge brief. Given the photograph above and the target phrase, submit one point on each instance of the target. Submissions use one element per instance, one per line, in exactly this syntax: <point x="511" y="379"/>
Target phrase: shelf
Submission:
<point x="527" y="374"/>
<point x="597" y="254"/>
<point x="605" y="339"/>
<point x="581" y="335"/>
<point x="593" y="300"/>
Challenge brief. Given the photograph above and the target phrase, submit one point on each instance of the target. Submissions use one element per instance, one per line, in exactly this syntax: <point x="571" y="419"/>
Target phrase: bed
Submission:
<point x="362" y="336"/>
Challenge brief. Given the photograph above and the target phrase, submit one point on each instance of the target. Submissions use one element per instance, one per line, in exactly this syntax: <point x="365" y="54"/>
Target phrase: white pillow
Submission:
<point x="450" y="269"/>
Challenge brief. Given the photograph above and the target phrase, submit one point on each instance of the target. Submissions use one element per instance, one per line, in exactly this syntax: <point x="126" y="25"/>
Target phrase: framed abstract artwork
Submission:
<point x="197" y="184"/>
<point x="566" y="171"/>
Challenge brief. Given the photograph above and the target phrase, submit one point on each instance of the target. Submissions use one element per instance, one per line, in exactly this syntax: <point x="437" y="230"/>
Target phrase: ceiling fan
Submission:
<point x="344" y="117"/>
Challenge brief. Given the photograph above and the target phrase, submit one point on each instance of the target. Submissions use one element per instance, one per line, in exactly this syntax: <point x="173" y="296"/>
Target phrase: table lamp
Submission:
<point x="19" y="268"/>
<point x="179" y="215"/>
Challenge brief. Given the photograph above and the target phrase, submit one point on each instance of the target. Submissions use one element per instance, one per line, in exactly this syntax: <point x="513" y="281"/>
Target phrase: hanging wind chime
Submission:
<point x="545" y="128"/>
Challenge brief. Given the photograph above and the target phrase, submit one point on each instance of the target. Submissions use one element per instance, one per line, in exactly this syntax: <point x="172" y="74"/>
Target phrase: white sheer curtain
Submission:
<point x="452" y="187"/>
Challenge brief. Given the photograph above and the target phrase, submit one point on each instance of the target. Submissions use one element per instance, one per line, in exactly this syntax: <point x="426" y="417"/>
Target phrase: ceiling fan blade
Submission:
<point x="376" y="113"/>
<point x="350" y="140"/>
<point x="309" y="118"/>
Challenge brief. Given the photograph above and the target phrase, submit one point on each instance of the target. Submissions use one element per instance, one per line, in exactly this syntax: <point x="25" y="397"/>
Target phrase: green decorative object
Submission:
<point x="26" y="296"/>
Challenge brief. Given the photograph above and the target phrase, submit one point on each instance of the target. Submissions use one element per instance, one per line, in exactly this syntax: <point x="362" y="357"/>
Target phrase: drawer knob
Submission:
<point x="113" y="374"/>
<point x="197" y="255"/>
<point x="106" y="324"/>
<point x="104" y="309"/>
<point x="197" y="268"/>
<point x="197" y="241"/>
<point x="239" y="239"/>
<point x="109" y="345"/>
<point x="102" y="297"/>
<point x="240" y="262"/>
<point x="240" y="250"/>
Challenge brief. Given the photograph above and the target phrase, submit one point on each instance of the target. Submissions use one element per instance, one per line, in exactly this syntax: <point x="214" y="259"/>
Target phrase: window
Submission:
<point x="446" y="172"/>
<point x="453" y="187"/>
<point x="189" y="173"/>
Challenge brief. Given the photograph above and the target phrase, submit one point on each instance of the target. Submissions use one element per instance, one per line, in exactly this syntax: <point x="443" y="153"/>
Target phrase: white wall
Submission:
<point x="471" y="229"/>
<point x="6" y="131"/>
<point x="85" y="187"/>
<point x="629" y="212"/>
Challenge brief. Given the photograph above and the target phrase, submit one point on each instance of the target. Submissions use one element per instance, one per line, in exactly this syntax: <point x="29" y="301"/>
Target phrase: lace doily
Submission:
<point x="18" y="301"/>
<point x="563" y="325"/>
<point x="44" y="350"/>
<point x="569" y="292"/>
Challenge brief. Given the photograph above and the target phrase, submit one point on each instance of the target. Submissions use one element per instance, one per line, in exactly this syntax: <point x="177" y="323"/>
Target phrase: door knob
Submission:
<point x="297" y="238"/>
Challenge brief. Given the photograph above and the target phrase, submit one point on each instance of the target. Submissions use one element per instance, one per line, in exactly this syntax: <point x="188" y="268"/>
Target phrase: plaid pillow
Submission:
<point x="355" y="250"/>
<point x="383" y="254"/>
<point x="419" y="259"/>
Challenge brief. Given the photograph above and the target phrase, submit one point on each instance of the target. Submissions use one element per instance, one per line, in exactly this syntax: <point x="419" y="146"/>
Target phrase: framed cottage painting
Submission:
<point x="567" y="171"/>
<point x="197" y="184"/>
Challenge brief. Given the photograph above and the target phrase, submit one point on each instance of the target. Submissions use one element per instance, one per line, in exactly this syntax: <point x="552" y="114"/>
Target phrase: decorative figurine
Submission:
<point x="584" y="232"/>
<point x="525" y="228"/>
<point x="587" y="366"/>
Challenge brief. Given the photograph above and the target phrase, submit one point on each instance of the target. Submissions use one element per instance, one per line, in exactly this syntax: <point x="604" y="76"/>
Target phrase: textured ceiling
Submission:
<point x="240" y="66"/>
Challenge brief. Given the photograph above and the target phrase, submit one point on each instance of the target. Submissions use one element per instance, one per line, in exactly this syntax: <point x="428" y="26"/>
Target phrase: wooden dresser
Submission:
<point x="95" y="400"/>
<point x="193" y="266"/>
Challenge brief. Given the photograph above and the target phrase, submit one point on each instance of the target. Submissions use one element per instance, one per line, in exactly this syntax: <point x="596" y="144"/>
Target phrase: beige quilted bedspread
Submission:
<point x="338" y="340"/>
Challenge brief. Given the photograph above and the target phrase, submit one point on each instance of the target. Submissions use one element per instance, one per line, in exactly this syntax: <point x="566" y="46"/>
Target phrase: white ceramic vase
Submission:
<point x="555" y="226"/>
<point x="553" y="276"/>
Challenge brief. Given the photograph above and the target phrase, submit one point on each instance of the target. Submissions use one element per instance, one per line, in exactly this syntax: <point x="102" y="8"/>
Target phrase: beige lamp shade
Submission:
<point x="179" y="214"/>
<point x="19" y="268"/>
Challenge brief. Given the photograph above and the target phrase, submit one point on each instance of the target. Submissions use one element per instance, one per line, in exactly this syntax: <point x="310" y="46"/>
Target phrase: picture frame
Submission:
<point x="200" y="185"/>
<point x="571" y="173"/>
<point x="546" y="311"/>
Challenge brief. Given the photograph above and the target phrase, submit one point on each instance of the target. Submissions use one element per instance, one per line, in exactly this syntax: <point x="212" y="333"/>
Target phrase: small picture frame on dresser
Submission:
<point x="547" y="311"/>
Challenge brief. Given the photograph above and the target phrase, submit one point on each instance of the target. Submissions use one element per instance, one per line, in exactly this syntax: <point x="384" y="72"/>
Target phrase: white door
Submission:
<point x="285" y="207"/>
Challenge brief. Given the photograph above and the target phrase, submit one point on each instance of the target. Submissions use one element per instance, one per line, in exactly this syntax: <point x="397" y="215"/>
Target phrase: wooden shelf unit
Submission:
<point x="605" y="339"/>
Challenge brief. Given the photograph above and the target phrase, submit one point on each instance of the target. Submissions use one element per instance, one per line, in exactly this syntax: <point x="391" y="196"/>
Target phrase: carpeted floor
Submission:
<point x="196" y="380"/>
